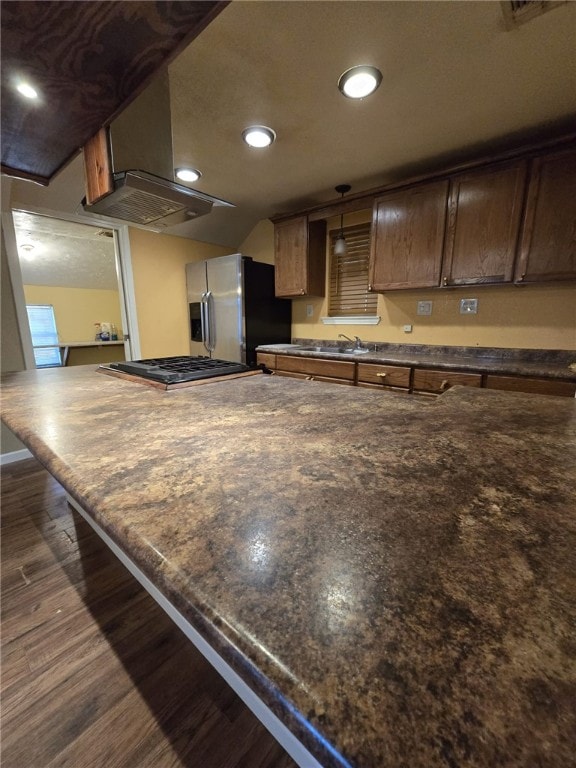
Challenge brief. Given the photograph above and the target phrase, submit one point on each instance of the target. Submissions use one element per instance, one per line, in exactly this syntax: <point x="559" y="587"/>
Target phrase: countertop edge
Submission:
<point x="268" y="692"/>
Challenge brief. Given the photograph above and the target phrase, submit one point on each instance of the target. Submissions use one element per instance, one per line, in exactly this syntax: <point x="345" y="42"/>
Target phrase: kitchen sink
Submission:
<point x="332" y="350"/>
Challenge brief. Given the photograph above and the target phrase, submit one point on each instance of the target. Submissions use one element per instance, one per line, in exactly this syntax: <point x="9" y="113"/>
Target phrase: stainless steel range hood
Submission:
<point x="140" y="151"/>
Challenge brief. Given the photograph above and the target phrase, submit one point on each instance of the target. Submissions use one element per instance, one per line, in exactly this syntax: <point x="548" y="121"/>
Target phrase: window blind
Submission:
<point x="349" y="293"/>
<point x="44" y="335"/>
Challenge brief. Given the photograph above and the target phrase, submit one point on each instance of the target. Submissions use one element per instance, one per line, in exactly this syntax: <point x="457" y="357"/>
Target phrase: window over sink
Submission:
<point x="349" y="295"/>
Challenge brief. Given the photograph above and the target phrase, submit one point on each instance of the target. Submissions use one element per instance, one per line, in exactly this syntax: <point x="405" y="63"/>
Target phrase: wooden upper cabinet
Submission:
<point x="407" y="237"/>
<point x="548" y="245"/>
<point x="484" y="216"/>
<point x="300" y="257"/>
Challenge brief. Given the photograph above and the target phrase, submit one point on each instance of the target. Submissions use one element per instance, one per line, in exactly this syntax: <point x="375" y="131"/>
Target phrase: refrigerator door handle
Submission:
<point x="204" y="320"/>
<point x="210" y="337"/>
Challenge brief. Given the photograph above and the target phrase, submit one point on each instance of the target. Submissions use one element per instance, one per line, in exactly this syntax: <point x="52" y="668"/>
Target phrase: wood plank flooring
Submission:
<point x="94" y="674"/>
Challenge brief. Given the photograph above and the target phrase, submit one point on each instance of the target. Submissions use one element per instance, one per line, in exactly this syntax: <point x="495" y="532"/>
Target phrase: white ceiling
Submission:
<point x="63" y="253"/>
<point x="456" y="83"/>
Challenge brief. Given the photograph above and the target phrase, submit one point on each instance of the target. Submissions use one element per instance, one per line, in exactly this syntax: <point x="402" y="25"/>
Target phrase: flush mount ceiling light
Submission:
<point x="258" y="136"/>
<point x="188" y="174"/>
<point x="358" y="82"/>
<point x="340" y="246"/>
<point x="28" y="251"/>
<point x="26" y="90"/>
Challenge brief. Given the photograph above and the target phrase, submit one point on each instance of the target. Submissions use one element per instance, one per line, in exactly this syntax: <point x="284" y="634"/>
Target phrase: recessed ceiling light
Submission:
<point x="187" y="174"/>
<point x="358" y="82"/>
<point x="258" y="136"/>
<point x="25" y="89"/>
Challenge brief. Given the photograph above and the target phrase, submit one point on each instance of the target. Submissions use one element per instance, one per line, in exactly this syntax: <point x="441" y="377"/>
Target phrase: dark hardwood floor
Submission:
<point x="94" y="674"/>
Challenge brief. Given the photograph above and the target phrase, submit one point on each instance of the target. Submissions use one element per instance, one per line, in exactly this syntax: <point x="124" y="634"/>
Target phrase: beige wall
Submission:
<point x="260" y="242"/>
<point x="158" y="266"/>
<point x="532" y="317"/>
<point x="12" y="355"/>
<point x="77" y="309"/>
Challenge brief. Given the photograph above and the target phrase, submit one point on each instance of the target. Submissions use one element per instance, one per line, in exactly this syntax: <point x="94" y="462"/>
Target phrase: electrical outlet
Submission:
<point x="309" y="310"/>
<point x="424" y="308"/>
<point x="407" y="329"/>
<point x="468" y="306"/>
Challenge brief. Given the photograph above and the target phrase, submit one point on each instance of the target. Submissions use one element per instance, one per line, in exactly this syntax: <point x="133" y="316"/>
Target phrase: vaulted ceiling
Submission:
<point x="458" y="81"/>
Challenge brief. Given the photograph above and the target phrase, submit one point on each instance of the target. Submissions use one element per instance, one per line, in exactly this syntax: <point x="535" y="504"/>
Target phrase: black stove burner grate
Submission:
<point x="171" y="370"/>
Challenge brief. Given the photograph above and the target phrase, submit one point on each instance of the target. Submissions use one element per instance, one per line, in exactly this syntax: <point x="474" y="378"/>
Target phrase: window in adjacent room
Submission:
<point x="44" y="335"/>
<point x="349" y="295"/>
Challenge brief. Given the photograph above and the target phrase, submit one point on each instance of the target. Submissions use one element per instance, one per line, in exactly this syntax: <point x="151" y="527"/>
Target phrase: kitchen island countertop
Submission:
<point x="393" y="577"/>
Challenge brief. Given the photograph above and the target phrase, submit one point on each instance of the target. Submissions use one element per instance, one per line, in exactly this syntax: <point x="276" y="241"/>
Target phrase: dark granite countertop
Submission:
<point x="394" y="577"/>
<point x="554" y="364"/>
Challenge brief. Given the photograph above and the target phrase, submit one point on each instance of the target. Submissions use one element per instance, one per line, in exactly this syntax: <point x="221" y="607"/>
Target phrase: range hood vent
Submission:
<point x="145" y="199"/>
<point x="139" y="154"/>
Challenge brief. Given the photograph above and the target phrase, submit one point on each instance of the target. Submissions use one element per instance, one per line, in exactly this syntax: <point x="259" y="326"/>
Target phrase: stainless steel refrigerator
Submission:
<point x="233" y="309"/>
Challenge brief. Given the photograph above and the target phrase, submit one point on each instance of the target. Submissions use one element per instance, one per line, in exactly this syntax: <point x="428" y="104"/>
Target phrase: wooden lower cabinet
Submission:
<point x="404" y="379"/>
<point x="384" y="376"/>
<point x="267" y="359"/>
<point x="315" y="377"/>
<point x="437" y="381"/>
<point x="319" y="370"/>
<point x="531" y="385"/>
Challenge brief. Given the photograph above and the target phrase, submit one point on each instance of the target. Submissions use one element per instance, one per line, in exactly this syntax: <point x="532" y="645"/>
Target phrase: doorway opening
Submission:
<point x="77" y="269"/>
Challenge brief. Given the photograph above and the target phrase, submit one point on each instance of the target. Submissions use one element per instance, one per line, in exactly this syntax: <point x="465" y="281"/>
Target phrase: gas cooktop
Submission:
<point x="171" y="370"/>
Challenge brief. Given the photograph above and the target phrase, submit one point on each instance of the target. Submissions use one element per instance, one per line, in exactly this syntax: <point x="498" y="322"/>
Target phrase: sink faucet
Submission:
<point x="357" y="340"/>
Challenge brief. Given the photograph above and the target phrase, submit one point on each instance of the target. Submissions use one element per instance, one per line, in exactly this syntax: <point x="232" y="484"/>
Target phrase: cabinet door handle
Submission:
<point x="444" y="385"/>
<point x="381" y="375"/>
<point x="445" y="281"/>
<point x="302" y="291"/>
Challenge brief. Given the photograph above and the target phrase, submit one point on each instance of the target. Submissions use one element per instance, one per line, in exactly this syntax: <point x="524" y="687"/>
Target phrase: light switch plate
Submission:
<point x="468" y="306"/>
<point x="309" y="310"/>
<point x="424" y="308"/>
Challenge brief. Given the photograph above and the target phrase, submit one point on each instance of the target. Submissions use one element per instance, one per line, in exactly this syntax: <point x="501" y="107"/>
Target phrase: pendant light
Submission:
<point x="340" y="244"/>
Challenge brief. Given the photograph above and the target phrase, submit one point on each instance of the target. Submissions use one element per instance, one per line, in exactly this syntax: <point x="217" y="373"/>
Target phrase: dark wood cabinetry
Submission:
<point x="531" y="385"/>
<point x="300" y="257"/>
<point x="548" y="245"/>
<point x="383" y="376"/>
<point x="509" y="219"/>
<point x="512" y="221"/>
<point x="408" y="378"/>
<point x="437" y="381"/>
<point x="337" y="371"/>
<point x="484" y="217"/>
<point x="407" y="237"/>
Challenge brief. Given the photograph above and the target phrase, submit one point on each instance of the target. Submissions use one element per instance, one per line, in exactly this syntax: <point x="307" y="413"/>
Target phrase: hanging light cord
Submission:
<point x="341" y="240"/>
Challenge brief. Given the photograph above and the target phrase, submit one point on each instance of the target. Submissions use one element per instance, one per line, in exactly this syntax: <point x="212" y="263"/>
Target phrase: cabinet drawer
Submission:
<point x="386" y="375"/>
<point x="535" y="386"/>
<point x="311" y="366"/>
<point x="310" y="377"/>
<point x="440" y="381"/>
<point x="266" y="358"/>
